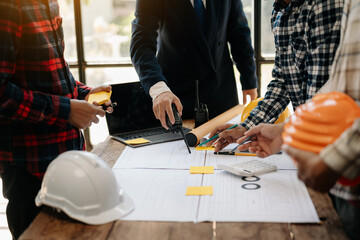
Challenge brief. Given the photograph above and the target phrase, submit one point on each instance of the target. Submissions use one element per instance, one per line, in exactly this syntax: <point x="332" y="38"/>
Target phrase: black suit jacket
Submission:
<point x="168" y="45"/>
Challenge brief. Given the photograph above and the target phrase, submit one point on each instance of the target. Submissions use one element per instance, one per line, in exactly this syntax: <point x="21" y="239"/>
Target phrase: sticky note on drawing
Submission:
<point x="99" y="97"/>
<point x="200" y="148"/>
<point x="194" y="191"/>
<point x="137" y="141"/>
<point x="202" y="170"/>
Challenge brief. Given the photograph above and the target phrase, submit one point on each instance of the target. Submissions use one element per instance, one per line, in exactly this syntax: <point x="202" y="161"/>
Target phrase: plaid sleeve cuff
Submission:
<point x="343" y="156"/>
<point x="61" y="111"/>
<point x="251" y="123"/>
<point x="83" y="90"/>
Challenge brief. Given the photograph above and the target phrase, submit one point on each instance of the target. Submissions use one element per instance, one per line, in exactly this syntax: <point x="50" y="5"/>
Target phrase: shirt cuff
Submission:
<point x="61" y="110"/>
<point x="157" y="89"/>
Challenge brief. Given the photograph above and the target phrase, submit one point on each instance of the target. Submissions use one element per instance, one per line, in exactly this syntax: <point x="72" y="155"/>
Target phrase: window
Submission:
<point x="97" y="37"/>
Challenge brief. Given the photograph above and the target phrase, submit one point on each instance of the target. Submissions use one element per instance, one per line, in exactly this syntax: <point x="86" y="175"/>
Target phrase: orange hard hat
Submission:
<point x="319" y="122"/>
<point x="251" y="105"/>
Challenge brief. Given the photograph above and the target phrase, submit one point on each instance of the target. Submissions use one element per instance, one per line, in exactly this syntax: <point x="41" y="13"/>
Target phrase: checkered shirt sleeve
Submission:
<point x="306" y="36"/>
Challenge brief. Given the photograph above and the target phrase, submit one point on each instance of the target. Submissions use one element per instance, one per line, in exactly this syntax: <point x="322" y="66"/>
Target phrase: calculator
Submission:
<point x="249" y="168"/>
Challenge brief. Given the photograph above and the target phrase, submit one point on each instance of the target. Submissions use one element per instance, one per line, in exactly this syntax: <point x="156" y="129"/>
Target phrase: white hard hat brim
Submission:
<point x="125" y="207"/>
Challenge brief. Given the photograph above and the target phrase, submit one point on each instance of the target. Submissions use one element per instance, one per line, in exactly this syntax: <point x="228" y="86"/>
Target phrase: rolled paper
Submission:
<point x="193" y="137"/>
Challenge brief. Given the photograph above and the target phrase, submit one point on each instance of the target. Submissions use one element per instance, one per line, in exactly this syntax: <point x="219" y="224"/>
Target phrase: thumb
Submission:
<point x="253" y="130"/>
<point x="106" y="88"/>
<point x="239" y="140"/>
<point x="178" y="105"/>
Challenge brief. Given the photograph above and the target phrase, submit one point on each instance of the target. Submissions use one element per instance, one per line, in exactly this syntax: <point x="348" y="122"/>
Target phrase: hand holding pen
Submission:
<point x="224" y="135"/>
<point x="216" y="135"/>
<point x="265" y="140"/>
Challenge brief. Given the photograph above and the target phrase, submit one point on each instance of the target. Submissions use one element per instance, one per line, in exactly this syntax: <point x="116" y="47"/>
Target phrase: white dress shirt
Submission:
<point x="204" y="1"/>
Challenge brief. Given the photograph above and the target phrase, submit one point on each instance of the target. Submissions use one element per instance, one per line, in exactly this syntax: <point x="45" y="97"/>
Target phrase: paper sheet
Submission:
<point x="282" y="161"/>
<point x="159" y="195"/>
<point x="281" y="197"/>
<point x="156" y="177"/>
<point x="172" y="155"/>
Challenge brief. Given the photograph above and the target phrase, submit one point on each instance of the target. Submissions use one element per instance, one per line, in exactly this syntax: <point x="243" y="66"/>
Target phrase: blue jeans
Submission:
<point x="20" y="188"/>
<point x="349" y="215"/>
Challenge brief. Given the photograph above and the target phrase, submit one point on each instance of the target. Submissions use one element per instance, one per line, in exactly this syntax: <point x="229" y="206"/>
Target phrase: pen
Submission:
<point x="244" y="141"/>
<point x="217" y="135"/>
<point x="236" y="154"/>
<point x="250" y="137"/>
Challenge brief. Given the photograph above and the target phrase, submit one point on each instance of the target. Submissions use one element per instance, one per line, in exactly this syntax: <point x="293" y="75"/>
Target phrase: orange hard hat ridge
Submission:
<point x="319" y="122"/>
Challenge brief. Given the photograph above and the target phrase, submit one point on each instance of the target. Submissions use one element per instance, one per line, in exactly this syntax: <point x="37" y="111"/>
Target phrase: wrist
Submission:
<point x="158" y="89"/>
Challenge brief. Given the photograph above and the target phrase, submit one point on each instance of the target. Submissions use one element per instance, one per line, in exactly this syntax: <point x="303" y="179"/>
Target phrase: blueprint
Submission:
<point x="282" y="161"/>
<point x="156" y="177"/>
<point x="171" y="155"/>
<point x="159" y="195"/>
<point x="272" y="197"/>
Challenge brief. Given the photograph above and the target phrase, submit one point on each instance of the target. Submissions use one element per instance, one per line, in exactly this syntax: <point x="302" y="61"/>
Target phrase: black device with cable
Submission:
<point x="201" y="110"/>
<point x="177" y="126"/>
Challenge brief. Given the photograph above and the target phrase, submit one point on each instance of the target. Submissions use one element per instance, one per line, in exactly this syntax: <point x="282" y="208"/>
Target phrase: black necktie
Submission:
<point x="200" y="12"/>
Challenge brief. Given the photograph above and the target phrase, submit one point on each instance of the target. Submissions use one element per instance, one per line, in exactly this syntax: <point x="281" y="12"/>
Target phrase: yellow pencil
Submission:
<point x="237" y="154"/>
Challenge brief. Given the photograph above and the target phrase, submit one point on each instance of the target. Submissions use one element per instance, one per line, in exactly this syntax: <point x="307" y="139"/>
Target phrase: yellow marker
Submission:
<point x="99" y="97"/>
<point x="200" y="148"/>
<point x="194" y="191"/>
<point x="202" y="170"/>
<point x="137" y="141"/>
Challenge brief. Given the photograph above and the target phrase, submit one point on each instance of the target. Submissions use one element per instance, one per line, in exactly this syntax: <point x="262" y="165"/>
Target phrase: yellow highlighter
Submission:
<point x="100" y="97"/>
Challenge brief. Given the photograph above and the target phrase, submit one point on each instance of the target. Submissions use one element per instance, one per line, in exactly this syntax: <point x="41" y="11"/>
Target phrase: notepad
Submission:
<point x="99" y="97"/>
<point x="195" y="191"/>
<point x="202" y="170"/>
<point x="137" y="141"/>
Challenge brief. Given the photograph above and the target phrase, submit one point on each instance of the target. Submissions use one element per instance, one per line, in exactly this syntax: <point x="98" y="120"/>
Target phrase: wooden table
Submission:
<point x="50" y="224"/>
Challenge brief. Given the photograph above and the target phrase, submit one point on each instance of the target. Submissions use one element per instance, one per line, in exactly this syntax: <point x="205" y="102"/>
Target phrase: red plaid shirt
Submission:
<point x="35" y="86"/>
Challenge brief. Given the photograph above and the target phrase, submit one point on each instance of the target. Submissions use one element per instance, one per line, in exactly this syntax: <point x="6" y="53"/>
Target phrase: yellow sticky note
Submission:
<point x="99" y="97"/>
<point x="194" y="191"/>
<point x="201" y="148"/>
<point x="200" y="170"/>
<point x="137" y="141"/>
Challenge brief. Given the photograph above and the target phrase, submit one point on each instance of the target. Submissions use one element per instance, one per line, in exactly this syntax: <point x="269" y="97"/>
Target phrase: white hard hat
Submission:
<point x="83" y="186"/>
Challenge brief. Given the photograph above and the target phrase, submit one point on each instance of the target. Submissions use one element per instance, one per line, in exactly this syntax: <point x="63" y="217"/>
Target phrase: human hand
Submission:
<point x="267" y="139"/>
<point x="162" y="106"/>
<point x="251" y="92"/>
<point x="106" y="88"/>
<point x="225" y="136"/>
<point x="83" y="114"/>
<point x="312" y="170"/>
